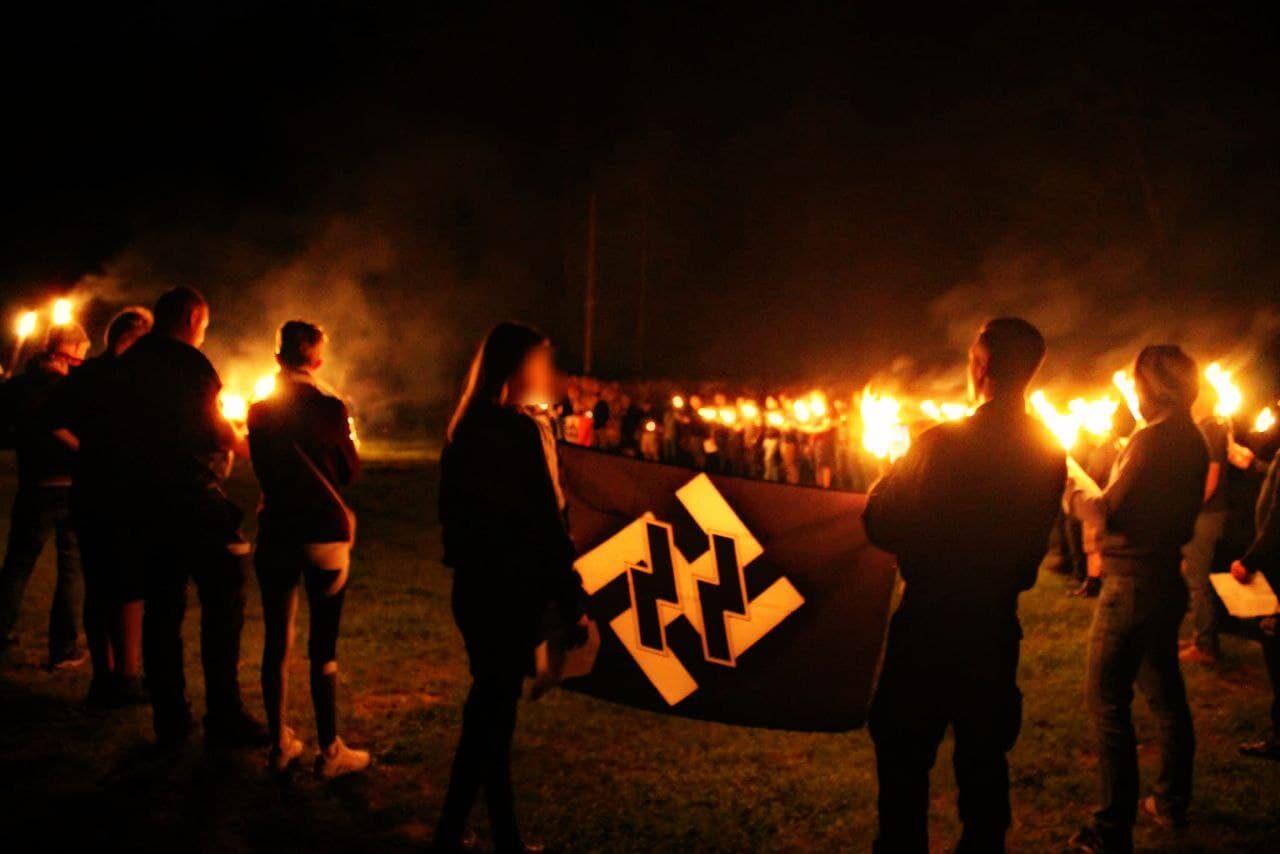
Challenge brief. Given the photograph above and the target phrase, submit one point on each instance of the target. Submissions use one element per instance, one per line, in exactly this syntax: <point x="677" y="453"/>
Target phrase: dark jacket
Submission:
<point x="503" y="530"/>
<point x="166" y="432"/>
<point x="79" y="406"/>
<point x="302" y="451"/>
<point x="24" y="405"/>
<point x="1154" y="494"/>
<point x="1264" y="553"/>
<point x="968" y="511"/>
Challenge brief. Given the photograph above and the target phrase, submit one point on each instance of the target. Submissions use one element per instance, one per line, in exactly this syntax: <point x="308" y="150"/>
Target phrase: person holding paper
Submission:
<point x="1263" y="557"/>
<point x="1139" y="524"/>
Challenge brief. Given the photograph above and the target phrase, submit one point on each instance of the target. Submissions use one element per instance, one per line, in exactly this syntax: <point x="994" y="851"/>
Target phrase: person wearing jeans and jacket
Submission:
<point x="1139" y="524"/>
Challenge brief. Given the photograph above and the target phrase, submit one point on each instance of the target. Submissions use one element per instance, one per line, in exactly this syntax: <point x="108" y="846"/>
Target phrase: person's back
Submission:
<point x="302" y="452"/>
<point x="988" y="490"/>
<point x="967" y="512"/>
<point x="42" y="459"/>
<point x="166" y="429"/>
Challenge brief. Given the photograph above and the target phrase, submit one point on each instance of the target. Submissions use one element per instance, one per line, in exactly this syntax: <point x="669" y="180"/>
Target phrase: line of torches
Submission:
<point x="885" y="433"/>
<point x="887" y="420"/>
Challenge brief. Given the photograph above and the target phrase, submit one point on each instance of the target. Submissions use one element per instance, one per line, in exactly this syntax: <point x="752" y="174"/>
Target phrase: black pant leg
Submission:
<point x="68" y="593"/>
<point x="30" y="524"/>
<point x="1160" y="679"/>
<point x="165" y="607"/>
<point x="220" y="578"/>
<point x="1271" y="655"/>
<point x="324" y="605"/>
<point x="908" y="718"/>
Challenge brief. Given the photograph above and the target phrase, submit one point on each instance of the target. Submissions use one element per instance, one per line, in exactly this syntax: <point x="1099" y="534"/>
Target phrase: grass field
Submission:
<point x="590" y="776"/>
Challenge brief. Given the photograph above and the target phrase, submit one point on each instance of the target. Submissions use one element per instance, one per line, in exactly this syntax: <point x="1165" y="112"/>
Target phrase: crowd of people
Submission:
<point x="121" y="458"/>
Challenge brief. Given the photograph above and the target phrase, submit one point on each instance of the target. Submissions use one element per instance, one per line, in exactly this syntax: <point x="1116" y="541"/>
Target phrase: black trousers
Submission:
<point x="173" y="556"/>
<point x="936" y="674"/>
<point x="500" y="637"/>
<point x="38" y="512"/>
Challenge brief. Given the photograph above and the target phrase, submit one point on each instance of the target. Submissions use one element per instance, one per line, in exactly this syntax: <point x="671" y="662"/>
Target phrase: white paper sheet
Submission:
<point x="1255" y="599"/>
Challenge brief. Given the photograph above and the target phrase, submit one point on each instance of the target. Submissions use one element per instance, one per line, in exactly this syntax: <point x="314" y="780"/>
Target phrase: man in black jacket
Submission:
<point x="42" y="506"/>
<point x="169" y="448"/>
<point x="967" y="512"/>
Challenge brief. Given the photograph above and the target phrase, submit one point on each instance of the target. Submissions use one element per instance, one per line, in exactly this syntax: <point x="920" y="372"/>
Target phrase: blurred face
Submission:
<point x="534" y="383"/>
<point x="1150" y="407"/>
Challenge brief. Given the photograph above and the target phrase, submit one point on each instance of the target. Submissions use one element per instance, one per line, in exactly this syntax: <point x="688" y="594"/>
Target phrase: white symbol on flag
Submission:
<point x="664" y="586"/>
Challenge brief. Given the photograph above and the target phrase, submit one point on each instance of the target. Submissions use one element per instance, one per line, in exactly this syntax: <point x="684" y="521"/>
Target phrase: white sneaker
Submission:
<point x="285" y="752"/>
<point x="339" y="759"/>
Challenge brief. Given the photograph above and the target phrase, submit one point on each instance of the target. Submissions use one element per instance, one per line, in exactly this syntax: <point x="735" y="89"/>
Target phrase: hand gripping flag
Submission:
<point x="726" y="599"/>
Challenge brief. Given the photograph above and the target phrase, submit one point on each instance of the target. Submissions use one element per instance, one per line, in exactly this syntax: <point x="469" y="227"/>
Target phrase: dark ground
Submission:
<point x="590" y="776"/>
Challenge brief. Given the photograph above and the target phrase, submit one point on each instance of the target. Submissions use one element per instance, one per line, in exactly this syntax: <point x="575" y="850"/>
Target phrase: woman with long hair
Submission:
<point x="502" y="517"/>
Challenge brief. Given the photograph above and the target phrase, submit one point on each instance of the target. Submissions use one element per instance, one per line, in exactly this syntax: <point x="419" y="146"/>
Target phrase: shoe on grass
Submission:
<point x="337" y="760"/>
<point x="1266" y="749"/>
<point x="1165" y="818"/>
<point x="284" y="752"/>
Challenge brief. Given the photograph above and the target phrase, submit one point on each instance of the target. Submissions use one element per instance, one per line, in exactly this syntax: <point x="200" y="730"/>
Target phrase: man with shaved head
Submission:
<point x="967" y="512"/>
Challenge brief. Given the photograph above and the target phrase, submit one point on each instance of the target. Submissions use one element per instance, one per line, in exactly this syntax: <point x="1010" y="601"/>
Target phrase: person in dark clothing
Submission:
<point x="1139" y="524"/>
<point x="1198" y="553"/>
<point x="1263" y="556"/>
<point x="113" y="586"/>
<point x="169" y="447"/>
<point x="501" y="513"/>
<point x="968" y="513"/>
<point x="42" y="504"/>
<point x="302" y="451"/>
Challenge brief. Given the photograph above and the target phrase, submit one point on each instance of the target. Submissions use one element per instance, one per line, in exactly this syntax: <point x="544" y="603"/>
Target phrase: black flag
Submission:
<point x="727" y="599"/>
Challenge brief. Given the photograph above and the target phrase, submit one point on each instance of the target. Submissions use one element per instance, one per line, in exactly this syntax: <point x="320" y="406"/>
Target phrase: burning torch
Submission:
<point x="25" y="325"/>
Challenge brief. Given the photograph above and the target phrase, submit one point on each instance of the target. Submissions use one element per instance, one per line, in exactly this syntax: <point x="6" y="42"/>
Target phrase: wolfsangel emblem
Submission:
<point x="710" y="592"/>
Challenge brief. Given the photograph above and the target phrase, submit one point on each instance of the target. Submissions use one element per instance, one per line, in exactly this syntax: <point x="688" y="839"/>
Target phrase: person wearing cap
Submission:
<point x="42" y="505"/>
<point x="112" y="571"/>
<point x="1139" y="524"/>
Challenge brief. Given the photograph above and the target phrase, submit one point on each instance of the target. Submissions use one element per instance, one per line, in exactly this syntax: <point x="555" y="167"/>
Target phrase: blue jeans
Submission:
<point x="38" y="512"/>
<point x="1134" y="638"/>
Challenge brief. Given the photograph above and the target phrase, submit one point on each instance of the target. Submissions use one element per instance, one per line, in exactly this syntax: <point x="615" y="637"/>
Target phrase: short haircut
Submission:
<point x="65" y="336"/>
<point x="1014" y="349"/>
<point x="134" y="320"/>
<point x="174" y="306"/>
<point x="296" y="343"/>
<point x="1168" y="375"/>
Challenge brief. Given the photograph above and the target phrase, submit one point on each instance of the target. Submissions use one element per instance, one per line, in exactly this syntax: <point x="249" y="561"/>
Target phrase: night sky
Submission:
<point x="781" y="196"/>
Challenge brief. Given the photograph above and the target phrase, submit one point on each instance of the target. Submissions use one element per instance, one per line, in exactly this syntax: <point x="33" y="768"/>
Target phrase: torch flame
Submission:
<point x="802" y="411"/>
<point x="263" y="388"/>
<point x="1265" y="421"/>
<point x="1229" y="396"/>
<point x="1129" y="390"/>
<point x="234" y="407"/>
<point x="26" y="324"/>
<point x="708" y="413"/>
<point x="61" y="312"/>
<point x="775" y="418"/>
<point x="750" y="411"/>
<point x="728" y="414"/>
<point x="818" y="404"/>
<point x="945" y="411"/>
<point x="1094" y="416"/>
<point x="677" y="402"/>
<point x="883" y="433"/>
<point x="1064" y="425"/>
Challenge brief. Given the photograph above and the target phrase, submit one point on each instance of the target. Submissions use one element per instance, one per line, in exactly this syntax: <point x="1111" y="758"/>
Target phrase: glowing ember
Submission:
<point x="26" y="324"/>
<point x="351" y="430"/>
<point x="234" y="407"/>
<point x="650" y="426"/>
<point x="265" y="385"/>
<point x="1129" y="390"/>
<point x="883" y="433"/>
<point x="62" y="312"/>
<point x="677" y="402"/>
<point x="1229" y="396"/>
<point x="1265" y="421"/>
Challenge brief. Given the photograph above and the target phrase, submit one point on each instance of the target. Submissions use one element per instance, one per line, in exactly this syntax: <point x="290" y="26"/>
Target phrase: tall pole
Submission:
<point x="589" y="305"/>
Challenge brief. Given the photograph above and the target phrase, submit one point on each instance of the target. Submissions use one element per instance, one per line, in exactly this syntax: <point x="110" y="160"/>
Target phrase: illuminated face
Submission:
<point x="199" y="325"/>
<point x="534" y="383"/>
